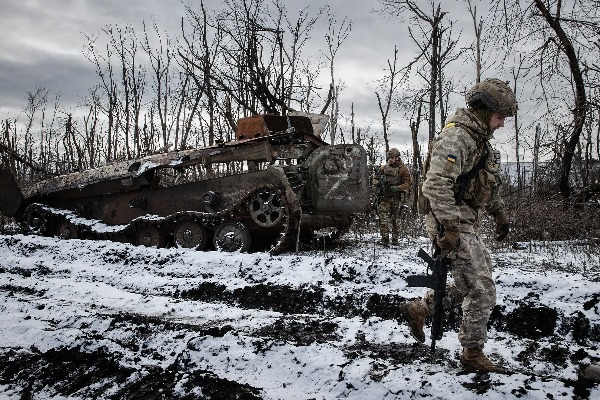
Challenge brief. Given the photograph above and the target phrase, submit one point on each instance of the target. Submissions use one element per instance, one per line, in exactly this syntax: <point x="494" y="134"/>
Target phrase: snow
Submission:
<point x="58" y="293"/>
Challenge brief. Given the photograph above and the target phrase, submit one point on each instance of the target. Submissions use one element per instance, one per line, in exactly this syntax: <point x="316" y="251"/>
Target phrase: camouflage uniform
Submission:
<point x="396" y="178"/>
<point x="458" y="208"/>
<point x="455" y="151"/>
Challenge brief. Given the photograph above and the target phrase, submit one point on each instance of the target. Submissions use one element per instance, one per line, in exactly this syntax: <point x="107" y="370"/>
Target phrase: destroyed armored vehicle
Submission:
<point x="277" y="183"/>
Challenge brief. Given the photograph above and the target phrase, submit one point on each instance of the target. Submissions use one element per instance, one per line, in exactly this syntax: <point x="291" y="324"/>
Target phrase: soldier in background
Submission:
<point x="456" y="206"/>
<point x="391" y="181"/>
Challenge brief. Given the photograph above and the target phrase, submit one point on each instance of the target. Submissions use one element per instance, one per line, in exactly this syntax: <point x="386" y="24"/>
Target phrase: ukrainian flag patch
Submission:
<point x="451" y="158"/>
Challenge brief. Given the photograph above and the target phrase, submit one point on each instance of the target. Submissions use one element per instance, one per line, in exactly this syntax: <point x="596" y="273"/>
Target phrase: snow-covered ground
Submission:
<point x="85" y="319"/>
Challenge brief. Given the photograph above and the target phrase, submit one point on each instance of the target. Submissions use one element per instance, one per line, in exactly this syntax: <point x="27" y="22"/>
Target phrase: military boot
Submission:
<point x="476" y="360"/>
<point x="415" y="312"/>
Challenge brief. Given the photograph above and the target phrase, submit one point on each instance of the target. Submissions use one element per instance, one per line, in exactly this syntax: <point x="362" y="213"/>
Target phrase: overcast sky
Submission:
<point x="42" y="42"/>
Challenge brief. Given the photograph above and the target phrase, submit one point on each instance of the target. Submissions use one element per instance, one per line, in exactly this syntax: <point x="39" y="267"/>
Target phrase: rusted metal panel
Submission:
<point x="251" y="127"/>
<point x="263" y="125"/>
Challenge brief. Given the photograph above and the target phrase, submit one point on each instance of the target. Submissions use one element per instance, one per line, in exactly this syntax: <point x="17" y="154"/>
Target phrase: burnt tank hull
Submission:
<point x="266" y="186"/>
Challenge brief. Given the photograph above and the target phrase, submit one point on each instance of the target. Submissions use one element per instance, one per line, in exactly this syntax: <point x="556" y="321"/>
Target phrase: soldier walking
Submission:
<point x="461" y="184"/>
<point x="392" y="180"/>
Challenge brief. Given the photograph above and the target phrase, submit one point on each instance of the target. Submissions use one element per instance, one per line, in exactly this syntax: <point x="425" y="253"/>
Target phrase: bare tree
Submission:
<point x="435" y="52"/>
<point x="160" y="64"/>
<point x="335" y="37"/>
<point x="299" y="31"/>
<point x="580" y="103"/>
<point x="559" y="40"/>
<point x="91" y="128"/>
<point x="477" y="29"/>
<point x="104" y="69"/>
<point x="206" y="56"/>
<point x="516" y="73"/>
<point x="10" y="153"/>
<point x="417" y="161"/>
<point x="384" y="106"/>
<point x="249" y="60"/>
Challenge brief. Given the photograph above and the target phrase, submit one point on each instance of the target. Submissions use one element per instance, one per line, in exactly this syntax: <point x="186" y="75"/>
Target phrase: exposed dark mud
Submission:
<point x="300" y="332"/>
<point x="310" y="315"/>
<point x="95" y="374"/>
<point x="528" y="320"/>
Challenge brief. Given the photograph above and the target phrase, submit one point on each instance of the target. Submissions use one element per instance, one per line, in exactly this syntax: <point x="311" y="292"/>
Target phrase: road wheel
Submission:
<point x="149" y="236"/>
<point x="266" y="208"/>
<point x="190" y="235"/>
<point x="232" y="236"/>
<point x="67" y="230"/>
<point x="37" y="222"/>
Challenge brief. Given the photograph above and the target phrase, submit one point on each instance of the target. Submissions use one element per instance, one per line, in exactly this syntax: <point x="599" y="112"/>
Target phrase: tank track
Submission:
<point x="49" y="221"/>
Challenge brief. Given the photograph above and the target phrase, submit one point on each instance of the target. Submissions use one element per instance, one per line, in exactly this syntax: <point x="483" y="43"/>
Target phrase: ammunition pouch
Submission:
<point x="423" y="205"/>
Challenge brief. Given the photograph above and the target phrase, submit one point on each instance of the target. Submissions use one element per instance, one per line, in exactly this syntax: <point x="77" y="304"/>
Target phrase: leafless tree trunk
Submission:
<point x="477" y="29"/>
<point x="335" y="37"/>
<point x="75" y="157"/>
<point x="107" y="82"/>
<point x="556" y="43"/>
<point x="435" y="68"/>
<point x="352" y="126"/>
<point x="581" y="106"/>
<point x="417" y="162"/>
<point x="91" y="126"/>
<point x="435" y="51"/>
<point x="384" y="106"/>
<point x="516" y="72"/>
<point x="536" y="158"/>
<point x="247" y="61"/>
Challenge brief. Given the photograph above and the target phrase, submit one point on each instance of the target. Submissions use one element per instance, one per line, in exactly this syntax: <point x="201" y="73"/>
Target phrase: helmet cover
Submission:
<point x="393" y="152"/>
<point x="494" y="95"/>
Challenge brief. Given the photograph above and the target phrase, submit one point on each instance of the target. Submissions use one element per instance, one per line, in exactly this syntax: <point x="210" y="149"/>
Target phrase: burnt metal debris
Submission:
<point x="277" y="182"/>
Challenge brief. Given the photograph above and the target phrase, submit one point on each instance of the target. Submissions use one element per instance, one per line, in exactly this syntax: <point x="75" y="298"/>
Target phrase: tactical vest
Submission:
<point x="390" y="176"/>
<point x="474" y="187"/>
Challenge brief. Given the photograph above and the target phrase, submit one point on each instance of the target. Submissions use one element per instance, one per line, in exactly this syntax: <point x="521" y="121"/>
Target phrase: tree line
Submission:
<point x="157" y="92"/>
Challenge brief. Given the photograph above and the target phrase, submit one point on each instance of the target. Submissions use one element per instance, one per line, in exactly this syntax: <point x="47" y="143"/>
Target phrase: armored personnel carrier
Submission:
<point x="277" y="183"/>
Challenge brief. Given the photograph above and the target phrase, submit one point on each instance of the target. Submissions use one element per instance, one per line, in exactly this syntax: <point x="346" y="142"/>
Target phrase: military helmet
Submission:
<point x="393" y="152"/>
<point x="494" y="95"/>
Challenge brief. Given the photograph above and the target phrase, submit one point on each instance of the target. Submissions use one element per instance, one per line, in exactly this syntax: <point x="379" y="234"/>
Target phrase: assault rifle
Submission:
<point x="436" y="281"/>
<point x="382" y="188"/>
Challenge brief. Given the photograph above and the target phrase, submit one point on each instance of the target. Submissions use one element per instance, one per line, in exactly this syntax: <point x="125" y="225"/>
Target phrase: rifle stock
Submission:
<point x="439" y="267"/>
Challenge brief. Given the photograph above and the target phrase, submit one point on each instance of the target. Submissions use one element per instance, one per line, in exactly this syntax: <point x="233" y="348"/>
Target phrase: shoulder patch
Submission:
<point x="451" y="158"/>
<point x="449" y="125"/>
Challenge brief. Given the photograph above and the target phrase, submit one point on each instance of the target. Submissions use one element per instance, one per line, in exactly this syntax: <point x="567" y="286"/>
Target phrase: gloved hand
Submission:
<point x="451" y="238"/>
<point x="502" y="225"/>
<point x="395" y="189"/>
